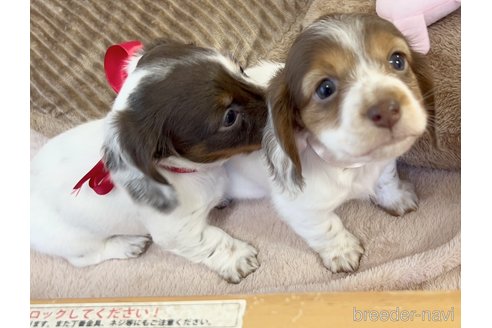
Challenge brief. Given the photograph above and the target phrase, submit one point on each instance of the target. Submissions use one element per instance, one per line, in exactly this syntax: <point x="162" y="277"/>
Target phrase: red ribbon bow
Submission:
<point x="115" y="62"/>
<point x="99" y="180"/>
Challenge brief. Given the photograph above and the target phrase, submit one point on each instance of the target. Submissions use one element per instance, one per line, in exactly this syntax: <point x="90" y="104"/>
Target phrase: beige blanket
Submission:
<point x="420" y="250"/>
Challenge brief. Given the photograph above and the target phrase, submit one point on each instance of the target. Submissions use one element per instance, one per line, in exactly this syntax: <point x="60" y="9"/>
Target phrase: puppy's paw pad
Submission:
<point x="343" y="254"/>
<point x="241" y="262"/>
<point x="399" y="201"/>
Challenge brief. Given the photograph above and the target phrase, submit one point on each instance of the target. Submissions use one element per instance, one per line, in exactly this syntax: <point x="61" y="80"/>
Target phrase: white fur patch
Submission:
<point x="132" y="81"/>
<point x="228" y="64"/>
<point x="263" y="72"/>
<point x="347" y="35"/>
<point x="132" y="62"/>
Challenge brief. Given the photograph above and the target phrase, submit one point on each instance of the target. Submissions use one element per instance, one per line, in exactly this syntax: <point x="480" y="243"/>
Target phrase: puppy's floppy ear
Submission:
<point x="129" y="153"/>
<point x="423" y="72"/>
<point x="141" y="139"/>
<point x="279" y="136"/>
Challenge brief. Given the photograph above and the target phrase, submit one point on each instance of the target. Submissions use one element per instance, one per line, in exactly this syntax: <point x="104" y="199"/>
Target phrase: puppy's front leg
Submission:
<point x="195" y="240"/>
<point x="339" y="249"/>
<point x="393" y="195"/>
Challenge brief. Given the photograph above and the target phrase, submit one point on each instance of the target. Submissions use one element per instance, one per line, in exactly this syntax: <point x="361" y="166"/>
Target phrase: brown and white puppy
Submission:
<point x="181" y="113"/>
<point x="352" y="97"/>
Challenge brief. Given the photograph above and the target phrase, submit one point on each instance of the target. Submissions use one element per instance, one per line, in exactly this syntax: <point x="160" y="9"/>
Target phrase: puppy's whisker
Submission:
<point x="429" y="93"/>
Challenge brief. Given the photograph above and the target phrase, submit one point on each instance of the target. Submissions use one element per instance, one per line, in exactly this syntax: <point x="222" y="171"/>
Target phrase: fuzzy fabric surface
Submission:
<point x="418" y="251"/>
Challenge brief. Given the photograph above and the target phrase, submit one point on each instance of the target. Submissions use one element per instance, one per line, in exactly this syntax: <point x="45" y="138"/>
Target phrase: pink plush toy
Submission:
<point x="412" y="17"/>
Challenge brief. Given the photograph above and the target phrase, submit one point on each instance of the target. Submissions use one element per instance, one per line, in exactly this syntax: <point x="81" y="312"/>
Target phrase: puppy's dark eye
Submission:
<point x="397" y="61"/>
<point x="326" y="88"/>
<point x="230" y="118"/>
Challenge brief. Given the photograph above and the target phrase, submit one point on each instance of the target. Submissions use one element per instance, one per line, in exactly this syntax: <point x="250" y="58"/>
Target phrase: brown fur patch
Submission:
<point x="330" y="61"/>
<point x="200" y="153"/>
<point x="312" y="59"/>
<point x="285" y="117"/>
<point x="383" y="39"/>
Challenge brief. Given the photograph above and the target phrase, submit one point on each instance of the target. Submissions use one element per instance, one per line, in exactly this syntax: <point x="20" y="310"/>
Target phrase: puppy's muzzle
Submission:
<point x="385" y="114"/>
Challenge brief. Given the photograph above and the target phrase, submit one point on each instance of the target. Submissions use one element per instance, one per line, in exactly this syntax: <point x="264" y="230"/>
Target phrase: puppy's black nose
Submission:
<point x="385" y="113"/>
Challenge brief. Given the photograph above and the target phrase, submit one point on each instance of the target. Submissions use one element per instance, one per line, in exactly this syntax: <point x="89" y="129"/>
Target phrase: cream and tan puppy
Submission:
<point x="352" y="97"/>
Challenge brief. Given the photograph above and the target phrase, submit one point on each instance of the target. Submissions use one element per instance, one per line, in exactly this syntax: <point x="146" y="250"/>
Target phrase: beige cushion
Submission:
<point x="69" y="39"/>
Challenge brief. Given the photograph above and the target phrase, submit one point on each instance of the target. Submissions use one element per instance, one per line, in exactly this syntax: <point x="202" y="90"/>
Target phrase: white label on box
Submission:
<point x="214" y="314"/>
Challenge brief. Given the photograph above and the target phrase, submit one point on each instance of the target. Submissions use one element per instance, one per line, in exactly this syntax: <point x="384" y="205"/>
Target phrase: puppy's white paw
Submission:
<point x="122" y="246"/>
<point x="343" y="253"/>
<point x="236" y="262"/>
<point x="115" y="247"/>
<point x="398" y="201"/>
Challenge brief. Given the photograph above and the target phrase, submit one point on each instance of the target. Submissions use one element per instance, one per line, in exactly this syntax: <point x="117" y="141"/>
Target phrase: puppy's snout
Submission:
<point x="385" y="113"/>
